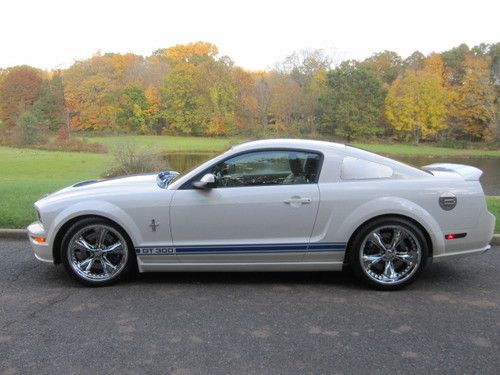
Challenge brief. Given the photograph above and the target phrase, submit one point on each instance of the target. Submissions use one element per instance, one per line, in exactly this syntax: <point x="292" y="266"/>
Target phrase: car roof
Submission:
<point x="308" y="144"/>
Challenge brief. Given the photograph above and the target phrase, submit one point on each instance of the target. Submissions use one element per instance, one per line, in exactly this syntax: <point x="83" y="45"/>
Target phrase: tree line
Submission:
<point x="190" y="90"/>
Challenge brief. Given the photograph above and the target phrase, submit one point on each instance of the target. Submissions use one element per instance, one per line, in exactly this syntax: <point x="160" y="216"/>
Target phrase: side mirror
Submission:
<point x="206" y="182"/>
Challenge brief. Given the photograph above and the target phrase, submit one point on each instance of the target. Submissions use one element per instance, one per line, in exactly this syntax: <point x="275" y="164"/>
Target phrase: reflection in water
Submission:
<point x="490" y="166"/>
<point x="185" y="162"/>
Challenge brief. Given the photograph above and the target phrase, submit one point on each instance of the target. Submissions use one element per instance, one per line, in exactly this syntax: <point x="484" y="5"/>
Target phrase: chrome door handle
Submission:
<point x="298" y="200"/>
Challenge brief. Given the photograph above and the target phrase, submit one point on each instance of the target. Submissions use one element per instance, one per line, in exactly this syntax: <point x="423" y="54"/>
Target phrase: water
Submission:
<point x="490" y="166"/>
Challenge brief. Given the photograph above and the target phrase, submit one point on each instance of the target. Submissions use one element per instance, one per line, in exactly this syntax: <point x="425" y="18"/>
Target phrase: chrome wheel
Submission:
<point x="97" y="252"/>
<point x="390" y="254"/>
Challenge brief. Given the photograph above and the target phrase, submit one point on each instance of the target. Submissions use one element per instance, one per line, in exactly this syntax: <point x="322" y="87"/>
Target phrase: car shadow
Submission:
<point x="344" y="278"/>
<point x="434" y="274"/>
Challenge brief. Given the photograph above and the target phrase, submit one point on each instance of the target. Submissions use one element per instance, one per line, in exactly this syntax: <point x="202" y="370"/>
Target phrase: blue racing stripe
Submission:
<point x="242" y="249"/>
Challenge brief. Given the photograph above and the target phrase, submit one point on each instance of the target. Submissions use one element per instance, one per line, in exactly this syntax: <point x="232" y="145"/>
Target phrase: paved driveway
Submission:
<point x="448" y="321"/>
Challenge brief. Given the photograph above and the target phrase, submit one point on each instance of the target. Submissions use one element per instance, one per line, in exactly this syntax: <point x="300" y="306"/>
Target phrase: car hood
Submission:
<point x="112" y="186"/>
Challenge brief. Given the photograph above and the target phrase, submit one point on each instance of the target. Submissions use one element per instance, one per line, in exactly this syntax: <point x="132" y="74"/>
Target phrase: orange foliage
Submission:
<point x="19" y="90"/>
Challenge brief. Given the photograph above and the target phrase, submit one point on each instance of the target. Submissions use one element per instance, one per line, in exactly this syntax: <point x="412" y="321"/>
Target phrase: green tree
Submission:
<point x="49" y="109"/>
<point x="132" y="110"/>
<point x="414" y="61"/>
<point x="352" y="103"/>
<point x="27" y="131"/>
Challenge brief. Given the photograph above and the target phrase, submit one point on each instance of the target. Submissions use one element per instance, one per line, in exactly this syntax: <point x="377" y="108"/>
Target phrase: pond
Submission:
<point x="490" y="166"/>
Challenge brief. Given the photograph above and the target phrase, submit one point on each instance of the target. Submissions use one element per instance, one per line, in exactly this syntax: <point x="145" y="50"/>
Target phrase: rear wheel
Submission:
<point x="97" y="252"/>
<point x="388" y="253"/>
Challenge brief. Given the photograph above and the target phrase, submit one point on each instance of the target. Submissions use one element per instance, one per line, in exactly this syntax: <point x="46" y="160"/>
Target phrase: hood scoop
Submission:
<point x="84" y="183"/>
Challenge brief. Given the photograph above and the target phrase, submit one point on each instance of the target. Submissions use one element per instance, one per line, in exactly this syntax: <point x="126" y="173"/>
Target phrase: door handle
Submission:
<point x="298" y="200"/>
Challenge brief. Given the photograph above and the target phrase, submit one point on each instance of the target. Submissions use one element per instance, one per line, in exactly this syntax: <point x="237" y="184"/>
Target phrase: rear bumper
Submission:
<point x="43" y="252"/>
<point x="476" y="242"/>
<point x="460" y="254"/>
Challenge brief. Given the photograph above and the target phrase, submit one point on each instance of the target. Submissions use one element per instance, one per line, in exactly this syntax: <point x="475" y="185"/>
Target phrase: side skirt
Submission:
<point x="239" y="267"/>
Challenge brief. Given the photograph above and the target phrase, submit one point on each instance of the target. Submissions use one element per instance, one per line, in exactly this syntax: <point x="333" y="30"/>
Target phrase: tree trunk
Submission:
<point x="416" y="135"/>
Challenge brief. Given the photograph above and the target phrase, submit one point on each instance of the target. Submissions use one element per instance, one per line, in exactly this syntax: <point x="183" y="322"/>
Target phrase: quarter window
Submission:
<point x="276" y="167"/>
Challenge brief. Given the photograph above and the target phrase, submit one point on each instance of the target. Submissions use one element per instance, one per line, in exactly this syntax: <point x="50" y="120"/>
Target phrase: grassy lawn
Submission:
<point x="26" y="175"/>
<point x="494" y="208"/>
<point x="168" y="143"/>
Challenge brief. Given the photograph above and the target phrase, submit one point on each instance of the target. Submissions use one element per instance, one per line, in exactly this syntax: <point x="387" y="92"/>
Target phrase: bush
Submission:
<point x="453" y="143"/>
<point x="26" y="130"/>
<point x="129" y="160"/>
<point x="73" y="144"/>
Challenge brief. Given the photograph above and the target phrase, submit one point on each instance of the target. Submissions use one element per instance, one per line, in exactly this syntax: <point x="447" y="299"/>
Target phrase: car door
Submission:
<point x="262" y="209"/>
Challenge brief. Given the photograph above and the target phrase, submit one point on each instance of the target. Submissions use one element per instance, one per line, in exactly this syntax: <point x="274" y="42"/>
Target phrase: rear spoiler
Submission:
<point x="467" y="172"/>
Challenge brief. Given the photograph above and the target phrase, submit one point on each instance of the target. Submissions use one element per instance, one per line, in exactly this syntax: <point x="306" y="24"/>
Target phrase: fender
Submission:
<point x="343" y="230"/>
<point x="99" y="208"/>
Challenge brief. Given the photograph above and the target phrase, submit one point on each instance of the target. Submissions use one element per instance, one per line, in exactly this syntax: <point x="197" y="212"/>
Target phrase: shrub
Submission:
<point x="26" y="130"/>
<point x="73" y="144"/>
<point x="129" y="160"/>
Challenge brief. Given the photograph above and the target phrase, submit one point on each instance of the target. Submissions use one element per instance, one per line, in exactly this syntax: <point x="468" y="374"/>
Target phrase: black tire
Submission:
<point x="361" y="239"/>
<point x="128" y="268"/>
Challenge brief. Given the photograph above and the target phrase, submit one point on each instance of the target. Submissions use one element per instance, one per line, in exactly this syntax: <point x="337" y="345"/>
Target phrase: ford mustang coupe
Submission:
<point x="271" y="205"/>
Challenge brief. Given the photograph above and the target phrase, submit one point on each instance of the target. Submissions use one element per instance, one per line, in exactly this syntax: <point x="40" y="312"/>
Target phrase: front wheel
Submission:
<point x="96" y="252"/>
<point x="388" y="253"/>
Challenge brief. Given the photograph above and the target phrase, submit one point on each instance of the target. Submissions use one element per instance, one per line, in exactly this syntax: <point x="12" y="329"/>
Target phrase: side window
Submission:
<point x="279" y="167"/>
<point x="359" y="169"/>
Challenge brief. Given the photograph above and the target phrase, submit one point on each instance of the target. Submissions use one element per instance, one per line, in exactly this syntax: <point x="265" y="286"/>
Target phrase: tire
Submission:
<point x="399" y="263"/>
<point x="97" y="252"/>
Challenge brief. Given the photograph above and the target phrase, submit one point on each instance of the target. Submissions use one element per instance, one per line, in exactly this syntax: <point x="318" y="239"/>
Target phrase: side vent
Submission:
<point x="447" y="201"/>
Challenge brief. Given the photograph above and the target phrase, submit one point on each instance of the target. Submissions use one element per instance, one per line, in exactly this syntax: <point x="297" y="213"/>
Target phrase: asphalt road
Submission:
<point x="274" y="323"/>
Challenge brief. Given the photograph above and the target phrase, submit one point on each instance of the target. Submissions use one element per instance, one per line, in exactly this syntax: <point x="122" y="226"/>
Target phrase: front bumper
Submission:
<point x="43" y="251"/>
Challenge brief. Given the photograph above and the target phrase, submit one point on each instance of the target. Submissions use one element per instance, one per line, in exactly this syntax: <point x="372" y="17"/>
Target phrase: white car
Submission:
<point x="271" y="205"/>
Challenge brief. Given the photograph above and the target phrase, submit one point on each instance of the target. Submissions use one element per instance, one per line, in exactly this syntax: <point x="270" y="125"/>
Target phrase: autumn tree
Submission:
<point x="262" y="95"/>
<point x="19" y="89"/>
<point x="386" y="66"/>
<point x="417" y="103"/>
<point x="286" y="96"/>
<point x="155" y="120"/>
<point x="192" y="53"/>
<point x="473" y="110"/>
<point x="352" y="103"/>
<point x="187" y="105"/>
<point x="200" y="90"/>
<point x="307" y="69"/>
<point x="246" y="110"/>
<point x="93" y="88"/>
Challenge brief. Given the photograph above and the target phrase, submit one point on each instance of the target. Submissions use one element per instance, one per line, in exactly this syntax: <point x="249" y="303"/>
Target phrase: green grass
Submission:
<point x="494" y="208"/>
<point x="424" y="150"/>
<point x="26" y="175"/>
<point x="168" y="143"/>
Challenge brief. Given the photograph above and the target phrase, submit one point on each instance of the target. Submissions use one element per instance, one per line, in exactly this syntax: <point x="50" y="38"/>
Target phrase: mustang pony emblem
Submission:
<point x="154" y="225"/>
